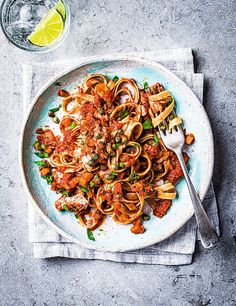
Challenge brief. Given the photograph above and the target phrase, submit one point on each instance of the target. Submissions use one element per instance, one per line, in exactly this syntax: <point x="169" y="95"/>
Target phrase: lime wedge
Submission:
<point x="60" y="7"/>
<point x="48" y="30"/>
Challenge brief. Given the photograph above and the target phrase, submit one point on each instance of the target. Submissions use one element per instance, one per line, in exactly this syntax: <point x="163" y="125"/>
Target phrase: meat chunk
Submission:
<point x="189" y="138"/>
<point x="161" y="208"/>
<point x="137" y="228"/>
<point x="76" y="203"/>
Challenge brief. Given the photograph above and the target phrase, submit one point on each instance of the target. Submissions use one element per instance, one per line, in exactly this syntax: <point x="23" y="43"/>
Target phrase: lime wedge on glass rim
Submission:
<point x="48" y="30"/>
<point x="60" y="7"/>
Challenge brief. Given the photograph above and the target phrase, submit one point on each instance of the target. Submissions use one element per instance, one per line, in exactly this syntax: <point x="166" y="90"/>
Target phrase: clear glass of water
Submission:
<point x="20" y="18"/>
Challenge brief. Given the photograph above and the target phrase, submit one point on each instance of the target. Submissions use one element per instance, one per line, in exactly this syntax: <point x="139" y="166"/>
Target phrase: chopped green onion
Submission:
<point x="147" y="125"/>
<point x="37" y="144"/>
<point x="115" y="145"/>
<point x="121" y="165"/>
<point x="114" y="166"/>
<point x="115" y="79"/>
<point x="45" y="155"/>
<point x="124" y="113"/>
<point x="91" y="184"/>
<point x="76" y="216"/>
<point x="41" y="163"/>
<point x="56" y="109"/>
<point x="133" y="176"/>
<point x="97" y="135"/>
<point x="65" y="193"/>
<point x="40" y="155"/>
<point x="43" y="146"/>
<point x="112" y="176"/>
<point x="72" y="125"/>
<point x="65" y="207"/>
<point x="90" y="235"/>
<point x="49" y="179"/>
<point x="84" y="189"/>
<point x="169" y="100"/>
<point x="145" y="85"/>
<point x="155" y="139"/>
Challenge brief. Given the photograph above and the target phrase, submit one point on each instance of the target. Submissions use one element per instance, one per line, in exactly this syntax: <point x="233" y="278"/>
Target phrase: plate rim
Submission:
<point x="93" y="59"/>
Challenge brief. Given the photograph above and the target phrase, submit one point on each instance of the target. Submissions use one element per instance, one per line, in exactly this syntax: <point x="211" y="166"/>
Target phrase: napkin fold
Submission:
<point x="179" y="248"/>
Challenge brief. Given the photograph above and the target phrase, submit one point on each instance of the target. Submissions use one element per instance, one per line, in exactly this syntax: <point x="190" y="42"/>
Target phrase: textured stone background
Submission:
<point x="100" y="27"/>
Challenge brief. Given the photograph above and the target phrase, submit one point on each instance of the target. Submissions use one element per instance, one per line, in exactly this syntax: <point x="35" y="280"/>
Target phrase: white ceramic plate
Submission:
<point x="114" y="237"/>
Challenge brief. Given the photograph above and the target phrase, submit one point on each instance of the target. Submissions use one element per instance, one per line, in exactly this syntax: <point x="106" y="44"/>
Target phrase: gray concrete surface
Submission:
<point x="100" y="27"/>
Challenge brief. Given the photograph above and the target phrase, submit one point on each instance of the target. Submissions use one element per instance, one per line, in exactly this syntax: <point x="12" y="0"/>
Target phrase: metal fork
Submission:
<point x="174" y="140"/>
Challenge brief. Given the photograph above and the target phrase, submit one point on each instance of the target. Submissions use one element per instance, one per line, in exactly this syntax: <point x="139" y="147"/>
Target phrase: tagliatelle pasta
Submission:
<point x="109" y="158"/>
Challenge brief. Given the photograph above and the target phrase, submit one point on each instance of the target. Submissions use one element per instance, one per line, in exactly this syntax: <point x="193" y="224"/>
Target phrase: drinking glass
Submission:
<point x="20" y="18"/>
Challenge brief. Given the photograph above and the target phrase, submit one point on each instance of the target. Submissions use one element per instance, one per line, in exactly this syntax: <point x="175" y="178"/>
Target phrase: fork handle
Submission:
<point x="208" y="236"/>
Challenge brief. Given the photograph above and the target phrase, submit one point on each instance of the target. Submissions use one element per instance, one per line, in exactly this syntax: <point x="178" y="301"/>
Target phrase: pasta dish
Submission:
<point x="108" y="158"/>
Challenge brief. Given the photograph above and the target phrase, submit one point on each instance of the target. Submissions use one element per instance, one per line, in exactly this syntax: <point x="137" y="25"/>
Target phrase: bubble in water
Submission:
<point x="50" y="3"/>
<point x="18" y="29"/>
<point x="32" y="13"/>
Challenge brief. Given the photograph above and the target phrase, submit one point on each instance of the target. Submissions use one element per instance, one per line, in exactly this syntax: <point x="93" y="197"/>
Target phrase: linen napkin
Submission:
<point x="179" y="248"/>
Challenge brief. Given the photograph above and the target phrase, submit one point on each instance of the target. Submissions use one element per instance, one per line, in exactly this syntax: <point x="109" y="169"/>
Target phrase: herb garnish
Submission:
<point x="48" y="178"/>
<point x="155" y="139"/>
<point x="90" y="235"/>
<point x="170" y="99"/>
<point x="41" y="155"/>
<point x="147" y="125"/>
<point x="56" y="109"/>
<point x="133" y="176"/>
<point x="37" y="145"/>
<point x="121" y="165"/>
<point x="84" y="189"/>
<point x="91" y="184"/>
<point x="145" y="85"/>
<point x="41" y="163"/>
<point x="73" y="125"/>
<point x="65" y="193"/>
<point x="65" y="207"/>
<point x="115" y="79"/>
<point x="112" y="176"/>
<point x="124" y="113"/>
